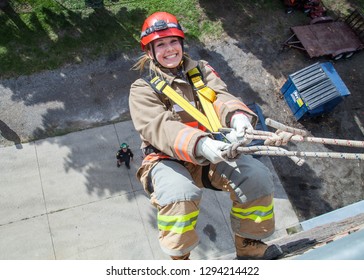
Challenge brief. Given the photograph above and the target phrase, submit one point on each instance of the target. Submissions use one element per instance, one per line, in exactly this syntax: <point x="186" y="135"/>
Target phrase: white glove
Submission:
<point x="240" y="123"/>
<point x="211" y="149"/>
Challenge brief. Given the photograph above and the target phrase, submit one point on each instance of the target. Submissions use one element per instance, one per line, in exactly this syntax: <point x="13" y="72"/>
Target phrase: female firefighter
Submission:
<point x="182" y="156"/>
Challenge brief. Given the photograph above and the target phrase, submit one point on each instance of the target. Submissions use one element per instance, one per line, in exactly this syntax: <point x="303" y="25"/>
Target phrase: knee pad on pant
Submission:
<point x="172" y="183"/>
<point x="248" y="177"/>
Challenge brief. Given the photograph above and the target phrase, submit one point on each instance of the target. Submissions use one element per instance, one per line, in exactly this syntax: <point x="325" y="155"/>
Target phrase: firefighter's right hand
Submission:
<point x="211" y="149"/>
<point x="241" y="125"/>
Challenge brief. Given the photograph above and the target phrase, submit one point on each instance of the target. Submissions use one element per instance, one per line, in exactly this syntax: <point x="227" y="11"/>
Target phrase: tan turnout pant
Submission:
<point x="177" y="198"/>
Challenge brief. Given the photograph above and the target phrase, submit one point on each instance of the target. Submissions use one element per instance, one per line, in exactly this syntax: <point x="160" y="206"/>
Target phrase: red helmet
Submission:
<point x="160" y="25"/>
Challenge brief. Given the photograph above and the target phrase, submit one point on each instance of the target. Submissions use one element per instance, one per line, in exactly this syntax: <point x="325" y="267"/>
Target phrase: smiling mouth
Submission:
<point x="170" y="56"/>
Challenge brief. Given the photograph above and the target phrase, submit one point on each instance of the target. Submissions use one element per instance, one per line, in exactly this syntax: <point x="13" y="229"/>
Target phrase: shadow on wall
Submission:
<point x="4" y="3"/>
<point x="10" y="135"/>
<point x="90" y="95"/>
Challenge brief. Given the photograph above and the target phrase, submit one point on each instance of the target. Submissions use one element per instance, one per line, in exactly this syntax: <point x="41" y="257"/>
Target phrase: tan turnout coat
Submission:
<point x="162" y="124"/>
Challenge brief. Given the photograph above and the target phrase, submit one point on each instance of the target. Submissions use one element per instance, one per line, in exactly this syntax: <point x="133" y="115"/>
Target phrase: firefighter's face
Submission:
<point x="168" y="51"/>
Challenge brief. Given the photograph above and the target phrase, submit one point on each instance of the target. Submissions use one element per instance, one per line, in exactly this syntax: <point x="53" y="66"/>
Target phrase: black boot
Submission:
<point x="179" y="258"/>
<point x="251" y="249"/>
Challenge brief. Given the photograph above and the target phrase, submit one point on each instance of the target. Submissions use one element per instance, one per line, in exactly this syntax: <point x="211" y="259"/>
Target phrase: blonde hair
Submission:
<point x="144" y="62"/>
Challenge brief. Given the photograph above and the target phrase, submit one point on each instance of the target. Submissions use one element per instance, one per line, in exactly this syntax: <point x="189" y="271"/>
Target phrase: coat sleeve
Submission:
<point x="225" y="104"/>
<point x="160" y="126"/>
<point x="131" y="153"/>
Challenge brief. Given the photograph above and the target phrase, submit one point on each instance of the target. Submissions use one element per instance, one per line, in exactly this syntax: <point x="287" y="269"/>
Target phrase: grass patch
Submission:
<point x="37" y="35"/>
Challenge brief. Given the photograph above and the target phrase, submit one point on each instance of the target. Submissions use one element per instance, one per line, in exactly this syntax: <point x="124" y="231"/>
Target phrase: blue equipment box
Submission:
<point x="314" y="90"/>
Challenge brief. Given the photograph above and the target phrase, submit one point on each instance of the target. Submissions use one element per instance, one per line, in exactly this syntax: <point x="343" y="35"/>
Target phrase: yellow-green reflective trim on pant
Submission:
<point x="178" y="224"/>
<point x="255" y="213"/>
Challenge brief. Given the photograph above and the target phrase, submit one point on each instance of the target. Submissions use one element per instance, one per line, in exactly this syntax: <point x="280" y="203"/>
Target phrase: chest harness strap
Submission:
<point x="207" y="97"/>
<point x="205" y="94"/>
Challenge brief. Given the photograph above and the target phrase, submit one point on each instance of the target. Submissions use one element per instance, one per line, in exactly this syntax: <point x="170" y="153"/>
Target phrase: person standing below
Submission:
<point x="182" y="156"/>
<point x="124" y="154"/>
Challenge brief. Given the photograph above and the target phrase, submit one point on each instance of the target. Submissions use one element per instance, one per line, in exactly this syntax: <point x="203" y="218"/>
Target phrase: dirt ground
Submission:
<point x="250" y="59"/>
<point x="320" y="185"/>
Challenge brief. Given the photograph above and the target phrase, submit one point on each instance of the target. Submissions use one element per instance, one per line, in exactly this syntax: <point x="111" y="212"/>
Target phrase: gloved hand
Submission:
<point x="211" y="149"/>
<point x="240" y="123"/>
<point x="279" y="138"/>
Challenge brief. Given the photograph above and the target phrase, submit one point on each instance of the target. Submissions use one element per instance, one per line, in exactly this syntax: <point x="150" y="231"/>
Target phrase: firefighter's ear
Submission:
<point x="149" y="50"/>
<point x="150" y="54"/>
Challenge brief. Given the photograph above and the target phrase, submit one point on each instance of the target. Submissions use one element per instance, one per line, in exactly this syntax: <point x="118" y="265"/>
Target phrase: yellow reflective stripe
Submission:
<point x="255" y="218"/>
<point x="178" y="99"/>
<point x="178" y="224"/>
<point x="255" y="208"/>
<point x="178" y="230"/>
<point x="255" y="213"/>
<point x="181" y="218"/>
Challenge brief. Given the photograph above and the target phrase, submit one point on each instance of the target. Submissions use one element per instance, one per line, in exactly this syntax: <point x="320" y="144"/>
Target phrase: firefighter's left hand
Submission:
<point x="241" y="124"/>
<point x="211" y="150"/>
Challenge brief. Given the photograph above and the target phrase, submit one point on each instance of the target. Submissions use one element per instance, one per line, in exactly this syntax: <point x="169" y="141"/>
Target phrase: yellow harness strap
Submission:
<point x="207" y="97"/>
<point x="205" y="94"/>
<point x="164" y="87"/>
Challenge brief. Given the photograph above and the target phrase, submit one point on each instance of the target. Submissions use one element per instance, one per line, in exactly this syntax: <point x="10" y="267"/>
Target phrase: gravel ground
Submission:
<point x="250" y="60"/>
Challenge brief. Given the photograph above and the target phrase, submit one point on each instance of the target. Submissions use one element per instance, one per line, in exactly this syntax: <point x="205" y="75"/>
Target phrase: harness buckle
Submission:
<point x="221" y="134"/>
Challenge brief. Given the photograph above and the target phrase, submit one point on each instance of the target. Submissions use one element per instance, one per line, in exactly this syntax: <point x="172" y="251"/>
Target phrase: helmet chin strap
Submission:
<point x="154" y="59"/>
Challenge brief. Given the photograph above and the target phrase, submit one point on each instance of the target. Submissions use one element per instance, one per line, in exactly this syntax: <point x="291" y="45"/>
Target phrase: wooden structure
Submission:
<point x="325" y="37"/>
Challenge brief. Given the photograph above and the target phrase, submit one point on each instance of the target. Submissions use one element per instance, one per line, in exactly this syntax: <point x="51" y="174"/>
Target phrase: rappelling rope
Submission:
<point x="300" y="136"/>
<point x="286" y="133"/>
